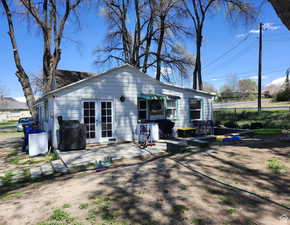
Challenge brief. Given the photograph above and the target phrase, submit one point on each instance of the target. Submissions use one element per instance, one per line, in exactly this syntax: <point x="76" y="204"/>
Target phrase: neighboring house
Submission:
<point x="10" y="109"/>
<point x="112" y="103"/>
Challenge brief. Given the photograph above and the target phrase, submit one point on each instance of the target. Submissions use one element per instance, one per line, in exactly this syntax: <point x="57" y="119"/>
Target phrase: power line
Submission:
<point x="281" y="40"/>
<point x="226" y="52"/>
<point x="237" y="56"/>
<point x="248" y="73"/>
<point x="231" y="49"/>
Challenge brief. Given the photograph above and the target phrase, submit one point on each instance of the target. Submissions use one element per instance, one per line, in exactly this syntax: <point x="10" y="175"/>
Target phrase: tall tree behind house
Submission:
<point x="198" y="11"/>
<point x="51" y="17"/>
<point x="145" y="33"/>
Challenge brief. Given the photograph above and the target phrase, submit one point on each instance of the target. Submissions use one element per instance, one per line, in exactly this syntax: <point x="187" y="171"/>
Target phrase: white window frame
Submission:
<point x="195" y="110"/>
<point x="172" y="108"/>
<point x="143" y="110"/>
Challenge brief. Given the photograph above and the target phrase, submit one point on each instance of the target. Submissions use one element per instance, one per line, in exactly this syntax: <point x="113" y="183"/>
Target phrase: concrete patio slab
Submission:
<point x="116" y="151"/>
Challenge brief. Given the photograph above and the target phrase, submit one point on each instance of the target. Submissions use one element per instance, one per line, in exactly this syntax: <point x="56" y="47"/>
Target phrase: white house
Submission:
<point x="11" y="109"/>
<point x="112" y="103"/>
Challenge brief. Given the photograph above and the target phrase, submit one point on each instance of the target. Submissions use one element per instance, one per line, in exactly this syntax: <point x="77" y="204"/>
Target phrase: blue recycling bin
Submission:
<point x="29" y="130"/>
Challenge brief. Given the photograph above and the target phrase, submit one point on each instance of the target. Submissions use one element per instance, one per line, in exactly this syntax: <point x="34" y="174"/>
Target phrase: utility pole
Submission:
<point x="260" y="69"/>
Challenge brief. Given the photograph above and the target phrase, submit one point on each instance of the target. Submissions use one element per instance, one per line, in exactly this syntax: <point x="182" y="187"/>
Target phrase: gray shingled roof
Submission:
<point x="11" y="103"/>
<point x="66" y="77"/>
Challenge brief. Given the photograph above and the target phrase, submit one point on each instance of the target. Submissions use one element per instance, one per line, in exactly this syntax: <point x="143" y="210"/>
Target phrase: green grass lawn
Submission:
<point x="10" y="133"/>
<point x="244" y="118"/>
<point x="9" y="123"/>
<point x="252" y="110"/>
<point x="265" y="103"/>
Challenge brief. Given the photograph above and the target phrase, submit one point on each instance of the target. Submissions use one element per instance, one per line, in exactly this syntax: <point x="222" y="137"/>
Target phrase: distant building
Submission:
<point x="10" y="109"/>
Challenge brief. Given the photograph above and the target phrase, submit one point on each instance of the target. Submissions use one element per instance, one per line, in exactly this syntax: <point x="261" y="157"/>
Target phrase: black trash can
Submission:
<point x="165" y="128"/>
<point x="72" y="135"/>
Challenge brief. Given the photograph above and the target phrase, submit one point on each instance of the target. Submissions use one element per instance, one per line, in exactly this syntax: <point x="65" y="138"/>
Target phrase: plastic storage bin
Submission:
<point x="37" y="142"/>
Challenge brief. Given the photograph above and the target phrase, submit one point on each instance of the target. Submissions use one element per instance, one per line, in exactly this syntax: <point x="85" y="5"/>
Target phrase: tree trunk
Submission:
<point x="137" y="35"/>
<point x="149" y="36"/>
<point x="197" y="78"/>
<point x="21" y="74"/>
<point x="159" y="48"/>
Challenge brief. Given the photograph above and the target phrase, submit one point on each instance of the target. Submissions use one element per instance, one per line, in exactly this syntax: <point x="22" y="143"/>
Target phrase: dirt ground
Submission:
<point x="11" y="156"/>
<point x="9" y="146"/>
<point x="197" y="187"/>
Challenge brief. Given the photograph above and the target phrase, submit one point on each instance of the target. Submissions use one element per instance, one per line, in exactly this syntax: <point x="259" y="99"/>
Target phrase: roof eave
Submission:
<point x="117" y="68"/>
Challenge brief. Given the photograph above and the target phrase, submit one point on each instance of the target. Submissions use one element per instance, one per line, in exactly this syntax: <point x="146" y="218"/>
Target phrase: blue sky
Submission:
<point x="220" y="36"/>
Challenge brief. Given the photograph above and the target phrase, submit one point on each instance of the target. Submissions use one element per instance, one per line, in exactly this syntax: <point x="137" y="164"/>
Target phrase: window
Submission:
<point x="89" y="118"/>
<point x="142" y="109"/>
<point x="106" y="115"/>
<point x="195" y="109"/>
<point x="171" y="108"/>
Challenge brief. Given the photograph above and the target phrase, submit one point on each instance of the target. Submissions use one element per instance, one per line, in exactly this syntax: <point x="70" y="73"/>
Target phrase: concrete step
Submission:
<point x="47" y="169"/>
<point x="197" y="142"/>
<point x="35" y="172"/>
<point x="58" y="166"/>
<point x="207" y="138"/>
<point x="177" y="148"/>
<point x="17" y="176"/>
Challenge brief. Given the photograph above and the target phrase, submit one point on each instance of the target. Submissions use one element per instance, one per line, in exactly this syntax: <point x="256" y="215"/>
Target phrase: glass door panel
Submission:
<point x="90" y="118"/>
<point x="106" y="119"/>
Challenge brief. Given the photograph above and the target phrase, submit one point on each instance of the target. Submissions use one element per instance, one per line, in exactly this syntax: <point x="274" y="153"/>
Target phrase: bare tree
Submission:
<point x="198" y="11"/>
<point x="149" y="40"/>
<point x="209" y="88"/>
<point x="233" y="81"/>
<point x="37" y="84"/>
<point x="247" y="86"/>
<point x="50" y="16"/>
<point x="20" y="73"/>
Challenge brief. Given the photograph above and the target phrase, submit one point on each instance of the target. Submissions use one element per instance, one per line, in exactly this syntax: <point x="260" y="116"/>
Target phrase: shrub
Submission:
<point x="231" y="124"/>
<point x="256" y="125"/>
<point x="283" y="96"/>
<point x="251" y="97"/>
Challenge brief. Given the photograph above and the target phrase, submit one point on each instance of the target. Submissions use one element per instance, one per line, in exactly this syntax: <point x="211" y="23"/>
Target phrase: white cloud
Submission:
<point x="256" y="77"/>
<point x="266" y="26"/>
<point x="254" y="31"/>
<point x="270" y="26"/>
<point x="277" y="82"/>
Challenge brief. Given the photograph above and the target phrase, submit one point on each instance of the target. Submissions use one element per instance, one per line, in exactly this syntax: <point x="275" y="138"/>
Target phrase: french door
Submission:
<point x="98" y="119"/>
